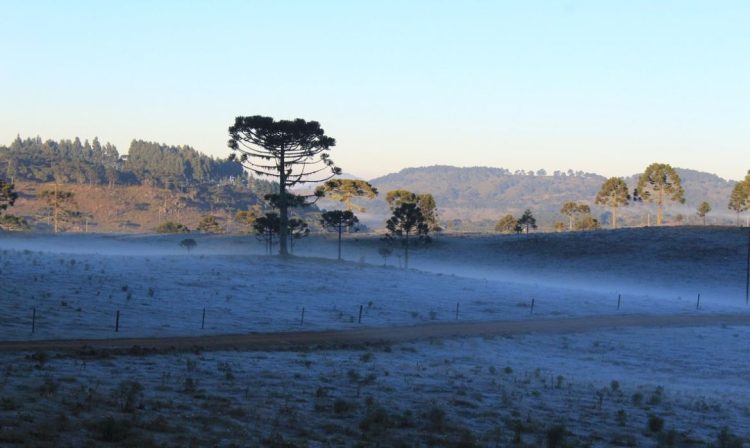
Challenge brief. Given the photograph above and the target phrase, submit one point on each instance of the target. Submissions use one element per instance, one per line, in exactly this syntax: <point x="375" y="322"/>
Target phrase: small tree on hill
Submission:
<point x="506" y="224"/>
<point x="739" y="200"/>
<point x="188" y="243"/>
<point x="703" y="210"/>
<point x="659" y="183"/>
<point x="209" y="224"/>
<point x="613" y="194"/>
<point x="294" y="152"/>
<point x="7" y="196"/>
<point x="527" y="221"/>
<point x="572" y="210"/>
<point x="60" y="203"/>
<point x="346" y="190"/>
<point x="338" y="221"/>
<point x="408" y="226"/>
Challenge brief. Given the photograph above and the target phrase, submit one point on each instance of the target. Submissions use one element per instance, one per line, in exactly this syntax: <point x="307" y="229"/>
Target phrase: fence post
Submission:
<point x="33" y="320"/>
<point x="302" y="319"/>
<point x="457" y="305"/>
<point x="117" y="321"/>
<point x="698" y="303"/>
<point x="203" y="319"/>
<point x="360" y="314"/>
<point x="619" y="298"/>
<point x="532" y="306"/>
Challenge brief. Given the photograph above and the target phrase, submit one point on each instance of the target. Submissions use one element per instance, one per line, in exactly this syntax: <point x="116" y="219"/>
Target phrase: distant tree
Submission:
<point x="172" y="227"/>
<point x="7" y="196"/>
<point x="559" y="226"/>
<point x="703" y="210"/>
<point x="209" y="224"/>
<point x="298" y="228"/>
<point x="188" y="243"/>
<point x="587" y="222"/>
<point x="408" y="226"/>
<point x="346" y="190"/>
<point x="572" y="210"/>
<point x="506" y="224"/>
<point x="425" y="202"/>
<point x="294" y="152"/>
<point x="266" y="227"/>
<point x="527" y="221"/>
<point x="613" y="194"/>
<point x="246" y="218"/>
<point x="739" y="200"/>
<point x="659" y="183"/>
<point x="61" y="203"/>
<point x="397" y="197"/>
<point x="338" y="221"/>
<point x="385" y="252"/>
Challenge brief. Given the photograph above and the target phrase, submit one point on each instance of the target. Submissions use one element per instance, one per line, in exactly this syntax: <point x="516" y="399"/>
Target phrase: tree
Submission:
<point x="703" y="210"/>
<point x="395" y="198"/>
<point x="527" y="221"/>
<point x="587" y="222"/>
<point x="658" y="184"/>
<point x="425" y="202"/>
<point x="338" y="220"/>
<point x="294" y="152"/>
<point x="572" y="210"/>
<point x="346" y="190"/>
<point x="614" y="194"/>
<point x="408" y="226"/>
<point x="385" y="252"/>
<point x="7" y="195"/>
<point x="209" y="224"/>
<point x="11" y="223"/>
<point x="61" y="204"/>
<point x="246" y="218"/>
<point x="297" y="229"/>
<point x="739" y="200"/>
<point x="188" y="243"/>
<point x="266" y="227"/>
<point x="506" y="224"/>
<point x="172" y="227"/>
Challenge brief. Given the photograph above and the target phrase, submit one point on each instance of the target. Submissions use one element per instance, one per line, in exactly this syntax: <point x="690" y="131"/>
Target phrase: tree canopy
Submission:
<point x="293" y="151"/>
<point x="506" y="224"/>
<point x="613" y="194"/>
<point x="346" y="190"/>
<point x="337" y="221"/>
<point x="703" y="209"/>
<point x="660" y="183"/>
<point x="408" y="226"/>
<point x="739" y="200"/>
<point x="527" y="221"/>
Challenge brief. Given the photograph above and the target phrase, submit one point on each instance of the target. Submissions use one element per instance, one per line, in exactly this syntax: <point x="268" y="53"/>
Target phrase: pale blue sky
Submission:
<point x="603" y="86"/>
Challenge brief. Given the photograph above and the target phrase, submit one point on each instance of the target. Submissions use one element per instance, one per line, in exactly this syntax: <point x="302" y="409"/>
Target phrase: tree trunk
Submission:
<point x="340" y="229"/>
<point x="406" y="251"/>
<point x="283" y="209"/>
<point x="570" y="224"/>
<point x="614" y="217"/>
<point x="660" y="211"/>
<point x="56" y="206"/>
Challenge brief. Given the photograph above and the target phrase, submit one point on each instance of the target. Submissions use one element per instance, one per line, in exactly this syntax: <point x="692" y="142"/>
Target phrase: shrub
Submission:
<point x="172" y="227"/>
<point x="655" y="423"/>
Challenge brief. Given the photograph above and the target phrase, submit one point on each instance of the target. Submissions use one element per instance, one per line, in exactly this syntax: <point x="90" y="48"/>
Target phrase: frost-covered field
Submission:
<point x="634" y="387"/>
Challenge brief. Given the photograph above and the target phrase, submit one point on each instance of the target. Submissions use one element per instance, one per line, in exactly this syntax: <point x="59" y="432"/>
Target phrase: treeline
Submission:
<point x="73" y="161"/>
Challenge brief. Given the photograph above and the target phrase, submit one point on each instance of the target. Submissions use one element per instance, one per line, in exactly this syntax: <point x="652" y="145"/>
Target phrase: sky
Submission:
<point x="599" y="86"/>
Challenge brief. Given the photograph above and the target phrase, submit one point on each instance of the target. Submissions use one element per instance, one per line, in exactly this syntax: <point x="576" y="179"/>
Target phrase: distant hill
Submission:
<point x="482" y="194"/>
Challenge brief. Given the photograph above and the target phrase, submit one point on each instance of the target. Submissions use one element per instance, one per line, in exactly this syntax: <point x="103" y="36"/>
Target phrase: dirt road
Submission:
<point x="376" y="335"/>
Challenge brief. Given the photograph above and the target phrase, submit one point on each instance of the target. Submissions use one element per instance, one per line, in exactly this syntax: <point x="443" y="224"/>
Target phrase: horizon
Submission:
<point x="507" y="85"/>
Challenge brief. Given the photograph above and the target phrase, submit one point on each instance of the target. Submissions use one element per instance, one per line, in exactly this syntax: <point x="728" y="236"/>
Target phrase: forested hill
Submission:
<point x="478" y="193"/>
<point x="73" y="161"/>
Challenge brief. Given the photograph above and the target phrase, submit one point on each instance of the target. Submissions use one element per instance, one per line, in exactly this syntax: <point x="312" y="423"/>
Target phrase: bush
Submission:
<point x="172" y="227"/>
<point x="655" y="423"/>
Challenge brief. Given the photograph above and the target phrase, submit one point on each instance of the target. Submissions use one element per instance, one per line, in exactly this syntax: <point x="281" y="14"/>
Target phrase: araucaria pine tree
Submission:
<point x="294" y="152"/>
<point x="613" y="194"/>
<point x="408" y="226"/>
<point x="659" y="183"/>
<point x="338" y="221"/>
<point x="703" y="210"/>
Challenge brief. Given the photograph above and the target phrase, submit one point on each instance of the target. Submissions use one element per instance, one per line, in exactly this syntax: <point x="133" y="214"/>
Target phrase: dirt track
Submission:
<point x="375" y="335"/>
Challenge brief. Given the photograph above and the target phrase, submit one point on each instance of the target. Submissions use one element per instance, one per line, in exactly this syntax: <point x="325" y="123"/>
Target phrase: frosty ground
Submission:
<point x="596" y="388"/>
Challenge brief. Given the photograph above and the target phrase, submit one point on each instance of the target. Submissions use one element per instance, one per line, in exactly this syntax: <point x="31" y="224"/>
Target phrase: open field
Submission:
<point x="657" y="371"/>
